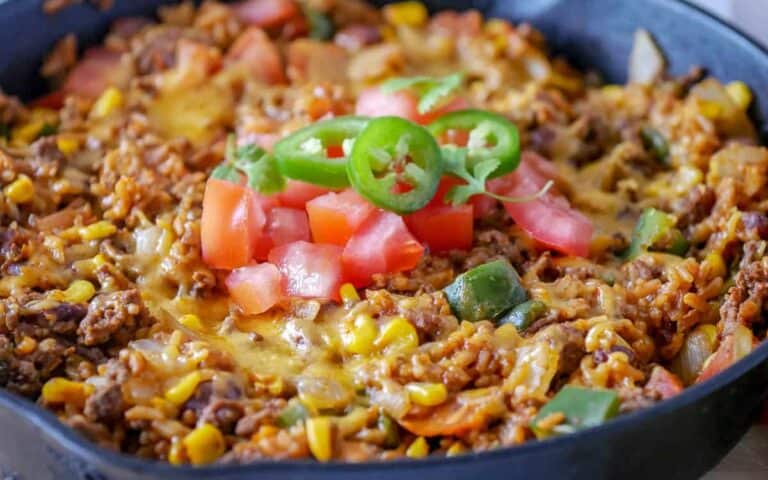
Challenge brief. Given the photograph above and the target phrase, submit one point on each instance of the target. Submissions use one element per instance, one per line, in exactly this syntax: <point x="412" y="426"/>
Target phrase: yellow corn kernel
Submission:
<point x="27" y="133"/>
<point x="204" y="444"/>
<point x="348" y="293"/>
<point x="176" y="453"/>
<point x="399" y="334"/>
<point x="67" y="145"/>
<point x="711" y="110"/>
<point x="26" y="346"/>
<point x="184" y="388"/>
<point x="361" y="335"/>
<point x="456" y="449"/>
<point x="319" y="438"/>
<point x="21" y="190"/>
<point x="388" y="34"/>
<point x="62" y="390"/>
<point x="79" y="291"/>
<point x="191" y="321"/>
<point x="108" y="102"/>
<point x="716" y="264"/>
<point x="276" y="386"/>
<point x="98" y="230"/>
<point x="265" y="431"/>
<point x="740" y="94"/>
<point x="411" y="14"/>
<point x="613" y="92"/>
<point x="418" y="449"/>
<point x="99" y="260"/>
<point x="427" y="394"/>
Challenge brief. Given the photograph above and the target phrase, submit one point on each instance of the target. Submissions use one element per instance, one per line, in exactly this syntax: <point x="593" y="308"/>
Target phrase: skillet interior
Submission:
<point x="680" y="438"/>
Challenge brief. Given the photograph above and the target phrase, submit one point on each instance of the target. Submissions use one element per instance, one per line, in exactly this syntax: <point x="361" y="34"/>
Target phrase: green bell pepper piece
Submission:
<point x="582" y="407"/>
<point x="655" y="231"/>
<point x="485" y="292"/>
<point x="523" y="315"/>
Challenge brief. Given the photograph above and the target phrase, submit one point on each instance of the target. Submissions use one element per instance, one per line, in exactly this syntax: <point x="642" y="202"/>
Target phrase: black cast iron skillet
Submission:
<point x="680" y="438"/>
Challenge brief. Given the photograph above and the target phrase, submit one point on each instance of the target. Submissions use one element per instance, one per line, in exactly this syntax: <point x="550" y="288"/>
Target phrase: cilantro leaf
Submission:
<point x="430" y="89"/>
<point x="258" y="166"/>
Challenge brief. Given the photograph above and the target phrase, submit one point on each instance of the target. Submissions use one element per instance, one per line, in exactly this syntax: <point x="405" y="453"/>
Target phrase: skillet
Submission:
<point x="680" y="438"/>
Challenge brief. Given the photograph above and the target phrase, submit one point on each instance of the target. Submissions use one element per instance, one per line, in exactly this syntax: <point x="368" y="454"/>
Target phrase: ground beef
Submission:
<point x="12" y="247"/>
<point x="106" y="405"/>
<point x="223" y="413"/>
<point x="747" y="300"/>
<point x="113" y="317"/>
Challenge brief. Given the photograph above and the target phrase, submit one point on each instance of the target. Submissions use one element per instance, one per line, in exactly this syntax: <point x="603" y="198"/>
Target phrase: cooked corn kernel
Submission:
<point x="21" y="190"/>
<point x="427" y="394"/>
<point x="319" y="438"/>
<point x="348" y="293"/>
<point x="26" y="346"/>
<point x="79" y="291"/>
<point x="97" y="230"/>
<point x="62" y="390"/>
<point x="412" y="14"/>
<point x="67" y="145"/>
<point x="99" y="260"/>
<point x="456" y="449"/>
<point x="191" y="321"/>
<point x="184" y="388"/>
<point x="108" y="102"/>
<point x="716" y="263"/>
<point x="361" y="335"/>
<point x="27" y="133"/>
<point x="276" y="386"/>
<point x="398" y="333"/>
<point x="176" y="453"/>
<point x="613" y="92"/>
<point x="711" y="110"/>
<point x="265" y="431"/>
<point x="204" y="444"/>
<point x="418" y="449"/>
<point x="388" y="34"/>
<point x="740" y="94"/>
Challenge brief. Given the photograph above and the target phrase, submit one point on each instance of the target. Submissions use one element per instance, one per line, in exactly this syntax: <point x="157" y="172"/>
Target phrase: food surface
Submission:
<point x="281" y="230"/>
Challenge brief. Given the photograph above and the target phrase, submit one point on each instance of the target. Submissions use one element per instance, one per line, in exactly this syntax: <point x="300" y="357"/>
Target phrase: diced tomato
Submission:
<point x="54" y="100"/>
<point x="283" y="226"/>
<point x="334" y="217"/>
<point x="316" y="62"/>
<point x="733" y="347"/>
<point x="93" y="74"/>
<point x="310" y="270"/>
<point x="443" y="228"/>
<point x="334" y="151"/>
<point x="550" y="219"/>
<point x="482" y="205"/>
<point x="230" y="224"/>
<point x="374" y="102"/>
<point x="382" y="244"/>
<point x="266" y="13"/>
<point x="664" y="382"/>
<point x="254" y="49"/>
<point x="255" y="288"/>
<point x="296" y="193"/>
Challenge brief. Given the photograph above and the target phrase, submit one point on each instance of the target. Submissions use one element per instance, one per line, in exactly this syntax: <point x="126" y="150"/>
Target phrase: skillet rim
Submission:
<point x="96" y="456"/>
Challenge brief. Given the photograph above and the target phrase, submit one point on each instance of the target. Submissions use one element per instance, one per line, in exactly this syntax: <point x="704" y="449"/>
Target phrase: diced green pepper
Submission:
<point x="582" y="407"/>
<point x="655" y="142"/>
<point x="292" y="414"/>
<point x="655" y="231"/>
<point x="320" y="26"/>
<point x="485" y="292"/>
<point x="523" y="315"/>
<point x="391" y="433"/>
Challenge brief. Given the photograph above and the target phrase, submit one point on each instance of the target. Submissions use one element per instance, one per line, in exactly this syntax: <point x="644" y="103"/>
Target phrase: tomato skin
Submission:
<point x="254" y="49"/>
<point x="255" y="288"/>
<point x="298" y="193"/>
<point x="283" y="226"/>
<point x="334" y="217"/>
<point x="54" y="100"/>
<point x="482" y="205"/>
<point x="664" y="382"/>
<point x="93" y="73"/>
<point x="310" y="270"/>
<point x="443" y="228"/>
<point x="374" y="102"/>
<point x="550" y="219"/>
<point x="266" y="13"/>
<point x="229" y="226"/>
<point x="382" y="244"/>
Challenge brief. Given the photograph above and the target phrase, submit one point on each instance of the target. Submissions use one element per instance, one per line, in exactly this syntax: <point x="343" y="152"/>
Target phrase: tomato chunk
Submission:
<point x="334" y="217"/>
<point x="664" y="382"/>
<point x="443" y="228"/>
<point x="309" y="270"/>
<point x="283" y="226"/>
<point x="266" y="13"/>
<point x="96" y="71"/>
<point x="230" y="224"/>
<point x="374" y="102"/>
<point x="382" y="244"/>
<point x="254" y="49"/>
<point x="255" y="288"/>
<point x="297" y="193"/>
<point x="549" y="219"/>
